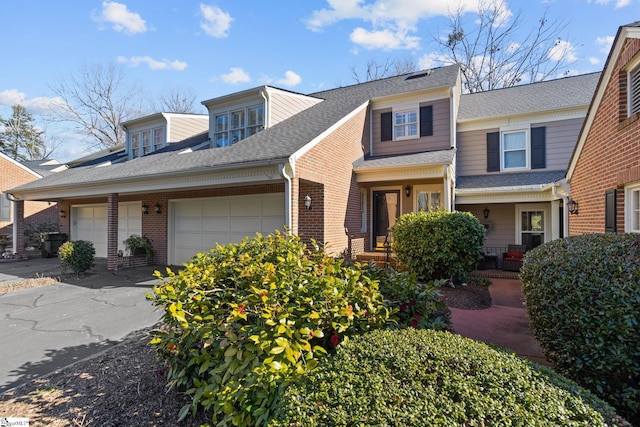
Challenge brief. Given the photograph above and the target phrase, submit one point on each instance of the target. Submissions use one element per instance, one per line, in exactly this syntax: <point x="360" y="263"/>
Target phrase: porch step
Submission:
<point x="380" y="258"/>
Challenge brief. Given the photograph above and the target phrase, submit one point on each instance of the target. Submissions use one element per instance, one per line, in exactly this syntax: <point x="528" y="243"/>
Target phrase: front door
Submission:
<point x="386" y="208"/>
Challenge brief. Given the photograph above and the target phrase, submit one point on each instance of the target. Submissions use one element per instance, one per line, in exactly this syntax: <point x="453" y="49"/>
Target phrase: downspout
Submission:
<point x="14" y="231"/>
<point x="565" y="213"/>
<point x="267" y="116"/>
<point x="282" y="170"/>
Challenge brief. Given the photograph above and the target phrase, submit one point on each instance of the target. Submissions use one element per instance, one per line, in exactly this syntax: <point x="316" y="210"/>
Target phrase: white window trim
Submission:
<point x="151" y="146"/>
<point x="527" y="133"/>
<point x="405" y="108"/>
<point x="244" y="129"/>
<point x="5" y="205"/>
<point x="634" y="68"/>
<point x="628" y="206"/>
<point x="363" y="211"/>
<point x="427" y="189"/>
<point x="533" y="207"/>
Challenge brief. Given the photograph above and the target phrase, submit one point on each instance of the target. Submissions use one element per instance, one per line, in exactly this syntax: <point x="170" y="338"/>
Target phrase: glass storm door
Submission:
<point x="386" y="208"/>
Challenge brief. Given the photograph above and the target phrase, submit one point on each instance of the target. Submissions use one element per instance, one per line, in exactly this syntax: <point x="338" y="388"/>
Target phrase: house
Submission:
<point x="604" y="172"/>
<point x="337" y="166"/>
<point x="16" y="173"/>
<point x="514" y="146"/>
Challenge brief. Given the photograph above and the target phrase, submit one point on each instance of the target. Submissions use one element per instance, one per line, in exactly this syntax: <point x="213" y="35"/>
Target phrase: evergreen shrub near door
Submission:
<point x="583" y="297"/>
<point x="428" y="378"/>
<point x="245" y="320"/>
<point x="438" y="245"/>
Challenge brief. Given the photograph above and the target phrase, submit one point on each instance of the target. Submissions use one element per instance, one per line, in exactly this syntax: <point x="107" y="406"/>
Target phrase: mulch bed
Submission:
<point x="469" y="297"/>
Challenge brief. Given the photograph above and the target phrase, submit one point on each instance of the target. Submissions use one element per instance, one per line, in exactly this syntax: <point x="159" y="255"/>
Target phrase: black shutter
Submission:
<point x="538" y="150"/>
<point x="493" y="152"/>
<point x="386" y="126"/>
<point x="610" y="211"/>
<point x="426" y="121"/>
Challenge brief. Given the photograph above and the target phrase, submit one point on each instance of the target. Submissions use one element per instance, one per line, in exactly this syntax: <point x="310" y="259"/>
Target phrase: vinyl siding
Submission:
<point x="184" y="127"/>
<point x="440" y="140"/>
<point x="561" y="137"/>
<point x="285" y="105"/>
<point x="502" y="222"/>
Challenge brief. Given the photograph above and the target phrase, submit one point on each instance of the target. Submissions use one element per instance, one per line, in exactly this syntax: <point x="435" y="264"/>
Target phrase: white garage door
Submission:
<point x="90" y="223"/>
<point x="196" y="225"/>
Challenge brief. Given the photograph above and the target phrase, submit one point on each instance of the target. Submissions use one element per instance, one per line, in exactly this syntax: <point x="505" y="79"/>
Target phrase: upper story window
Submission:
<point x="146" y="141"/>
<point x="236" y="125"/>
<point x="514" y="150"/>
<point x="634" y="89"/>
<point x="407" y="123"/>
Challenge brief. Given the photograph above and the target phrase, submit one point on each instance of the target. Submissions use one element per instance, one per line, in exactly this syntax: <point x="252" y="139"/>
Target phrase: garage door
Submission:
<point x="90" y="223"/>
<point x="196" y="225"/>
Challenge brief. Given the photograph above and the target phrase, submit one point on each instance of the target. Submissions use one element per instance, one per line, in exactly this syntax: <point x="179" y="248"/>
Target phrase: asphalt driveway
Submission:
<point x="46" y="328"/>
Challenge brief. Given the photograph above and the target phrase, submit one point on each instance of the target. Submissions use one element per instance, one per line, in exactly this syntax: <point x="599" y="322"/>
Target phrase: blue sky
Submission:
<point x="218" y="47"/>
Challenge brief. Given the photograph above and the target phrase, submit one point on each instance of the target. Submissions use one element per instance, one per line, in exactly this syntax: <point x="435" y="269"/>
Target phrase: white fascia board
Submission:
<point x="401" y="173"/>
<point x="522" y="119"/>
<point x="315" y="141"/>
<point x="202" y="179"/>
<point x="623" y="33"/>
<point x="520" y="194"/>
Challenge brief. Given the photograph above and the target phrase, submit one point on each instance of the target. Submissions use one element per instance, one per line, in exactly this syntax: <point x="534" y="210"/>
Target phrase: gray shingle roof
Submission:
<point x="272" y="145"/>
<point x="42" y="167"/>
<point x="502" y="180"/>
<point x="427" y="158"/>
<point x="548" y="95"/>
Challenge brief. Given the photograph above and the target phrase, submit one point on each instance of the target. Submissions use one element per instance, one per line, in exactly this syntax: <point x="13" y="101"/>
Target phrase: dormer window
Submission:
<point x="405" y="124"/>
<point x="146" y="141"/>
<point x="236" y="125"/>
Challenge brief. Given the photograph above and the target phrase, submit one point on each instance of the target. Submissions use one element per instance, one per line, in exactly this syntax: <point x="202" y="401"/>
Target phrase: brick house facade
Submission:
<point x="605" y="169"/>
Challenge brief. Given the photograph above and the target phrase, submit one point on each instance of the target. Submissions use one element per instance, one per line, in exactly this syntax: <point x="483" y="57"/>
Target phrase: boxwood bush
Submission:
<point x="438" y="245"/>
<point x="245" y="320"/>
<point x="423" y="377"/>
<point x="77" y="256"/>
<point x="583" y="297"/>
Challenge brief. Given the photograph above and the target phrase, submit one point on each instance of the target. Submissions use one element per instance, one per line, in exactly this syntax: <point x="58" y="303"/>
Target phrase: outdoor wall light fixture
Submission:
<point x="145" y="209"/>
<point x="572" y="207"/>
<point x="486" y="212"/>
<point x="63" y="214"/>
<point x="407" y="191"/>
<point x="158" y="208"/>
<point x="307" y="202"/>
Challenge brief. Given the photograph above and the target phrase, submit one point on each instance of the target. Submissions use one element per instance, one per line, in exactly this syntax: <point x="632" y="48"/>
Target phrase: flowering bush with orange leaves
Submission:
<point x="245" y="320"/>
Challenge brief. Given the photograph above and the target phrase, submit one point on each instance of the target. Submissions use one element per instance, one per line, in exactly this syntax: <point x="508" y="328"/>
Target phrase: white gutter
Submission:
<point x="511" y="189"/>
<point x="282" y="170"/>
<point x="267" y="116"/>
<point x="565" y="212"/>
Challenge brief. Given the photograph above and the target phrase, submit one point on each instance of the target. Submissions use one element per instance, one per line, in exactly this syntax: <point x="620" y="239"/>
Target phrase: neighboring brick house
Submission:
<point x="15" y="173"/>
<point x="604" y="172"/>
<point x="336" y="166"/>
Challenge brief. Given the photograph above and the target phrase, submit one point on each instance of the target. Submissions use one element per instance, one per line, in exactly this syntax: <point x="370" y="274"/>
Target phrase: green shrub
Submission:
<point x="583" y="296"/>
<point x="78" y="256"/>
<point x="438" y="245"/>
<point x="427" y="378"/>
<point x="136" y="241"/>
<point x="245" y="320"/>
<point x="412" y="303"/>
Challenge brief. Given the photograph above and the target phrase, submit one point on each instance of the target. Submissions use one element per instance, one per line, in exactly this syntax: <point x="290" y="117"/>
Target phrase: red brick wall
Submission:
<point x="34" y="212"/>
<point x="610" y="157"/>
<point x="329" y="164"/>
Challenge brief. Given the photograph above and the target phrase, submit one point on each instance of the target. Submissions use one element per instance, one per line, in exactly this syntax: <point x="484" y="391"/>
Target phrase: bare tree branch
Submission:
<point x="177" y="100"/>
<point x="98" y="100"/>
<point x="490" y="54"/>
<point x="390" y="68"/>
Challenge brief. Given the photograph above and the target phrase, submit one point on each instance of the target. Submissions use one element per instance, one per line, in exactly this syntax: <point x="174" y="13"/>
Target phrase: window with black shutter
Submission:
<point x="386" y="126"/>
<point x="538" y="150"/>
<point x="493" y="152"/>
<point x="610" y="211"/>
<point x="426" y="121"/>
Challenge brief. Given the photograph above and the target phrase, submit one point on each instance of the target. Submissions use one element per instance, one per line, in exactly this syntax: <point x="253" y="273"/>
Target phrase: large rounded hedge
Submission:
<point x="425" y="377"/>
<point x="583" y="297"/>
<point x="438" y="245"/>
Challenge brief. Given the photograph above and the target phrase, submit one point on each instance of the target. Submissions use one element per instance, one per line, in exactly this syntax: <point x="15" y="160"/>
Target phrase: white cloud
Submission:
<point x="431" y="60"/>
<point x="563" y="50"/>
<point x="383" y="39"/>
<point x="216" y="22"/>
<point x="41" y="104"/>
<point x="605" y="43"/>
<point x="235" y="76"/>
<point x="153" y="64"/>
<point x="618" y="3"/>
<point x="290" y="79"/>
<point x="594" y="61"/>
<point x="120" y="18"/>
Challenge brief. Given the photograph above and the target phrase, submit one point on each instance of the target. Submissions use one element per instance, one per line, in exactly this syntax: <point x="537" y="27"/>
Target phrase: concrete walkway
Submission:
<point x="505" y="323"/>
<point x="46" y="328"/>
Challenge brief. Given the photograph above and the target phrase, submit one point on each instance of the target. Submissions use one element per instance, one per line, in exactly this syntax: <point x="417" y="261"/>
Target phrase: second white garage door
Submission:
<point x="196" y="225"/>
